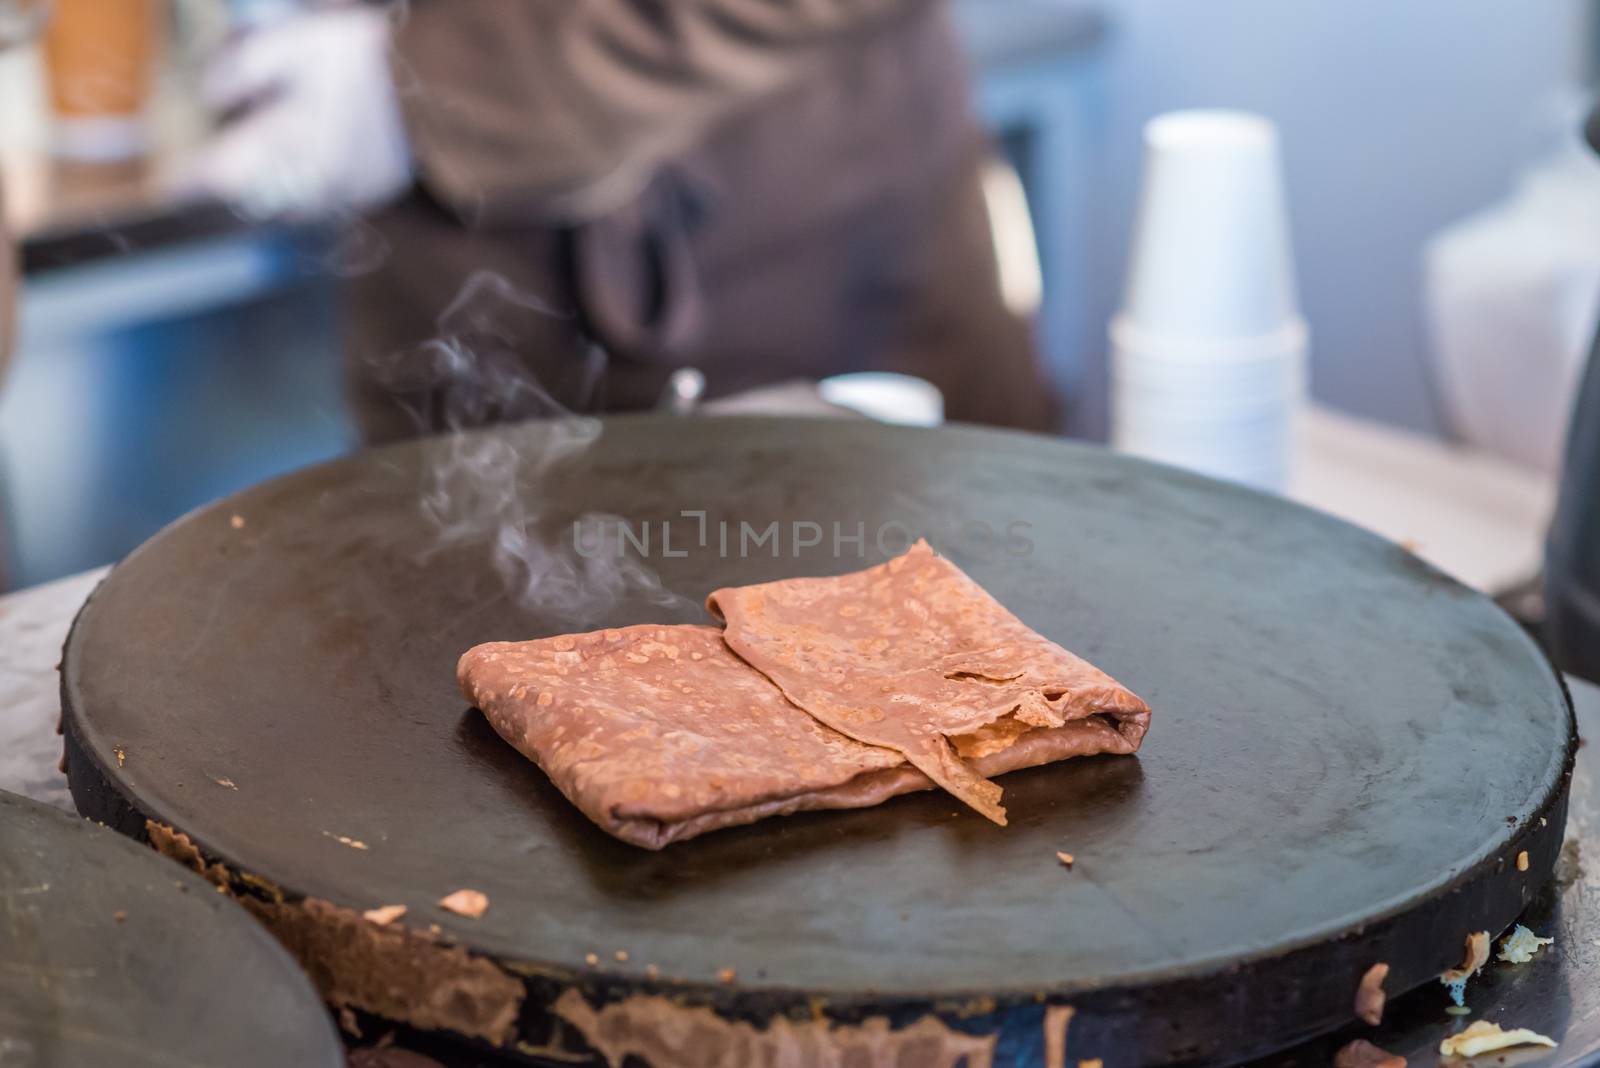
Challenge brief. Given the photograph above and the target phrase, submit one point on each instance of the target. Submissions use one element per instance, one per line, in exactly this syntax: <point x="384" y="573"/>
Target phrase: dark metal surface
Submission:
<point x="1348" y="748"/>
<point x="1572" y="550"/>
<point x="110" y="954"/>
<point x="1557" y="993"/>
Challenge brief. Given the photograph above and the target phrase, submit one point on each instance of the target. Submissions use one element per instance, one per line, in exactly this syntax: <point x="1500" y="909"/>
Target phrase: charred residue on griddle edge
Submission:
<point x="390" y="970"/>
<point x="409" y="976"/>
<point x="667" y="1034"/>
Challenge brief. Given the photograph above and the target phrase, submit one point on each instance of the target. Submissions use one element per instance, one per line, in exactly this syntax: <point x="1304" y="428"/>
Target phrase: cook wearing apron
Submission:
<point x="609" y="190"/>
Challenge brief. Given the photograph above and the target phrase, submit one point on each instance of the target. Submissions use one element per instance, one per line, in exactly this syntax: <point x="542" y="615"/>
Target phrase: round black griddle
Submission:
<point x="110" y="954"/>
<point x="1347" y="754"/>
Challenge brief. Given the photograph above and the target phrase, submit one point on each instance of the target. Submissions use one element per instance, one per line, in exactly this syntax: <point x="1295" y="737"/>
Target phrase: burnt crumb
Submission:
<point x="1370" y="997"/>
<point x="1476" y="955"/>
<point x="384" y="915"/>
<point x="353" y="843"/>
<point x="1363" y="1054"/>
<point x="465" y="902"/>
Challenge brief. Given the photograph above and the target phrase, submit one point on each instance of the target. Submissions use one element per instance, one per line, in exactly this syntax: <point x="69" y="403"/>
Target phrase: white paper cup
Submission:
<point x="1211" y="255"/>
<point x="1209" y="352"/>
<point x="1233" y="419"/>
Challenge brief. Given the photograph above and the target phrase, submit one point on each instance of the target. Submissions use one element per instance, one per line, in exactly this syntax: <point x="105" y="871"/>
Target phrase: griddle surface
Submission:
<point x="1346" y="745"/>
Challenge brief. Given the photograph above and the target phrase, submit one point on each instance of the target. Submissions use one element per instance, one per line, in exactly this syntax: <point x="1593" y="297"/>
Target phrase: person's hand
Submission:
<point x="308" y="119"/>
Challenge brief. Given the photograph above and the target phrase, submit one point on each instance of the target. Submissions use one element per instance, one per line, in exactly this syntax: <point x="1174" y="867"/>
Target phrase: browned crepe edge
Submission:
<point x="1089" y="736"/>
<point x="936" y="755"/>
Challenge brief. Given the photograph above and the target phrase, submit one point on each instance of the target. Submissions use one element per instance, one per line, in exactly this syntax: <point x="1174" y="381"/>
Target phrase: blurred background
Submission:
<point x="191" y="187"/>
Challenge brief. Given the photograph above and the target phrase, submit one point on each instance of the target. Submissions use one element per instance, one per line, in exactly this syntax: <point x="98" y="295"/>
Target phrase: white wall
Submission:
<point x="1397" y="117"/>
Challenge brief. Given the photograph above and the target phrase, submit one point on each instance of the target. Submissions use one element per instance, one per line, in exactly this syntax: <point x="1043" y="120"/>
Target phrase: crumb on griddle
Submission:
<point x="1522" y="860"/>
<point x="1370" y="997"/>
<point x="121" y="754"/>
<point x="1520" y="946"/>
<point x="236" y="521"/>
<point x="1065" y="859"/>
<point x="120" y="916"/>
<point x="1485" y="1037"/>
<point x="727" y="975"/>
<point x="651" y="971"/>
<point x="1092" y="1062"/>
<point x="465" y="902"/>
<point x="353" y="843"/>
<point x="622" y="956"/>
<point x="347" y="1022"/>
<point x="1363" y="1054"/>
<point x="591" y="959"/>
<point x="225" y="782"/>
<point x="1477" y="955"/>
<point x="384" y="915"/>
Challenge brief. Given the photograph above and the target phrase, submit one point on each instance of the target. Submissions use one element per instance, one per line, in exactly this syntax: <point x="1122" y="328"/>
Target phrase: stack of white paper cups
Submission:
<point x="1208" y="360"/>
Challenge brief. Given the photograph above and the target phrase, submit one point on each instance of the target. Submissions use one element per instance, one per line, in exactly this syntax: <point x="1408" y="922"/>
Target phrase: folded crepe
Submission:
<point x="660" y="733"/>
<point x="914" y="656"/>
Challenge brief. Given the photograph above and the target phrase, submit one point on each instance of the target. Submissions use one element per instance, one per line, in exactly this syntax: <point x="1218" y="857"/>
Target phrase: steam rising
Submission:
<point x="479" y="488"/>
<point x="358" y="249"/>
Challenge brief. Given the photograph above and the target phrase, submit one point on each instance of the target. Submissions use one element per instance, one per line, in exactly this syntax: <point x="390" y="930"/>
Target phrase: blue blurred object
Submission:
<point x="1040" y="91"/>
<point x="147" y="385"/>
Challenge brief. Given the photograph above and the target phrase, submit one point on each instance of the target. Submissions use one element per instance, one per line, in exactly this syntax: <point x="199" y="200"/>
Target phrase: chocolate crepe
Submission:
<point x="661" y="733"/>
<point x="914" y="656"/>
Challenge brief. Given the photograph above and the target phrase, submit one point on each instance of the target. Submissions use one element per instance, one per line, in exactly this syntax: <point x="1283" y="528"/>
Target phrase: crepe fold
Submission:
<point x="820" y="693"/>
<point x="914" y="656"/>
